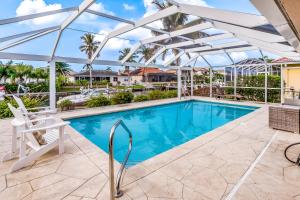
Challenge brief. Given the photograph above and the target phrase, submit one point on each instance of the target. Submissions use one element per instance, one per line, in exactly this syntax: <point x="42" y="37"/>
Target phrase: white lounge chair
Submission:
<point x="54" y="136"/>
<point x="27" y="111"/>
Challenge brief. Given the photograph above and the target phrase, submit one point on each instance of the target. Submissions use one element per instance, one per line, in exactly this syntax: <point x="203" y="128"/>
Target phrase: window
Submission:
<point x="115" y="79"/>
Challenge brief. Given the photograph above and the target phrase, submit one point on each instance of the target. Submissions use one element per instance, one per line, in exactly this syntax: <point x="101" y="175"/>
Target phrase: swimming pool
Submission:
<point x="157" y="129"/>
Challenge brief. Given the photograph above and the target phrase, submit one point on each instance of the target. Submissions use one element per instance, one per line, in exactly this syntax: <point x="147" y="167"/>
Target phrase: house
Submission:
<point x="101" y="75"/>
<point x="151" y="74"/>
<point x="291" y="74"/>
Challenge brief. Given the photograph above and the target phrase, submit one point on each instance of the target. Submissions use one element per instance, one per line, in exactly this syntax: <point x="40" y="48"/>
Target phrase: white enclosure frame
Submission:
<point x="245" y="29"/>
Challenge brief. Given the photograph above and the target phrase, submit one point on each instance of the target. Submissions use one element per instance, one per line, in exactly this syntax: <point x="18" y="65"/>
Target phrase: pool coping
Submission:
<point x="153" y="164"/>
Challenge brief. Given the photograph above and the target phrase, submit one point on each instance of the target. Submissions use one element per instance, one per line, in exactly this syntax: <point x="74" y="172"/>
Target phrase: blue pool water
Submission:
<point x="159" y="128"/>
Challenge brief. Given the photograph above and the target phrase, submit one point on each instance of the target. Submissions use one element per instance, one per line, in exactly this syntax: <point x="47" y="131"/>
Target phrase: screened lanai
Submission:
<point x="210" y="34"/>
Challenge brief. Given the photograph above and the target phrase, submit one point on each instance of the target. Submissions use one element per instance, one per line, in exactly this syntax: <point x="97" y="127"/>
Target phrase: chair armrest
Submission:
<point x="42" y="112"/>
<point x="39" y="108"/>
<point x="57" y="125"/>
<point x="41" y="119"/>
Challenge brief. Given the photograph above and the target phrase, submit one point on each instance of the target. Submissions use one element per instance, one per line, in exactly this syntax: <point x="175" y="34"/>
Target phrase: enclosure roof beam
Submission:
<point x="44" y="58"/>
<point x="200" y="40"/>
<point x="82" y="7"/>
<point x="267" y="37"/>
<point x="242" y="19"/>
<point x="173" y="59"/>
<point x="160" y="51"/>
<point x="190" y="60"/>
<point x="206" y="61"/>
<point x="218" y="46"/>
<point x="176" y="33"/>
<point x="19" y="35"/>
<point x="29" y="38"/>
<point x="273" y="11"/>
<point x="131" y="52"/>
<point x="102" y="14"/>
<point x="275" y="48"/>
<point x="36" y="15"/>
<point x="146" y="20"/>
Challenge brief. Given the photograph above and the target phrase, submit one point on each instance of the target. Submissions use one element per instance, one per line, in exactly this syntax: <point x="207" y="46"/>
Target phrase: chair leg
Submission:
<point x="61" y="140"/>
<point x="23" y="162"/>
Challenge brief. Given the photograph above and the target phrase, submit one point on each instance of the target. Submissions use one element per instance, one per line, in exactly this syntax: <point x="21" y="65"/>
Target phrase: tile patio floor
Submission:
<point x="207" y="167"/>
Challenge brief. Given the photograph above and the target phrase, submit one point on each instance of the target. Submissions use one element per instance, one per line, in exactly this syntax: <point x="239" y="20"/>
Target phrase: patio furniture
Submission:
<point x="28" y="111"/>
<point x="285" y="118"/>
<point x="52" y="133"/>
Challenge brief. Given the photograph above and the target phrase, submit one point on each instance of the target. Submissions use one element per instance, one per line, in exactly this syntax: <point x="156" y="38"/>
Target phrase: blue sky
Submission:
<point x="70" y="41"/>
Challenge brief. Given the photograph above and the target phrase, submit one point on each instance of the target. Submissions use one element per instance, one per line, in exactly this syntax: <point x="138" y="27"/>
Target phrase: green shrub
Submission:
<point x="171" y="94"/>
<point x="141" y="98"/>
<point x="65" y="105"/>
<point x="156" y="94"/>
<point x="122" y="97"/>
<point x="29" y="102"/>
<point x="98" y="101"/>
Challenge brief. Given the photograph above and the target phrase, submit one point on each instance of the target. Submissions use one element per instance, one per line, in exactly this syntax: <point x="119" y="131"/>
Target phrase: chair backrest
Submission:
<point x="19" y="115"/>
<point x="20" y="104"/>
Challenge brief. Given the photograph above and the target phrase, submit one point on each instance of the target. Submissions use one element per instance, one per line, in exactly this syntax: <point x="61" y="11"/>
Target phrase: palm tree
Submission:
<point x="39" y="73"/>
<point x="123" y="54"/>
<point x="5" y="70"/>
<point x="146" y="53"/>
<point x="22" y="71"/>
<point x="89" y="47"/>
<point x="175" y="22"/>
<point x="62" y="68"/>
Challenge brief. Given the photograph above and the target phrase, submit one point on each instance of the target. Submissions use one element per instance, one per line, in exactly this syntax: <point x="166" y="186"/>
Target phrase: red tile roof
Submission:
<point x="145" y="70"/>
<point x="283" y="60"/>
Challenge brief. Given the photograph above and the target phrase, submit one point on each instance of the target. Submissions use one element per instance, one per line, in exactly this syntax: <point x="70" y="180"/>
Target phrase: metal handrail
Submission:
<point x="118" y="192"/>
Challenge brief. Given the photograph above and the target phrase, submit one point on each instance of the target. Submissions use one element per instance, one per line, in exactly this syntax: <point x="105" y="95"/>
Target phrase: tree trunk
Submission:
<point x="91" y="80"/>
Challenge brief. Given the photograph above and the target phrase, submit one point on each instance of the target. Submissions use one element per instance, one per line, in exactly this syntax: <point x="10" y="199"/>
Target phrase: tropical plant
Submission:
<point x="141" y="98"/>
<point x="98" y="101"/>
<point x="89" y="47"/>
<point x="38" y="74"/>
<point x="121" y="98"/>
<point x="65" y="105"/>
<point x="62" y="68"/>
<point x="21" y="72"/>
<point x="5" y="70"/>
<point x="29" y="102"/>
<point x="175" y="22"/>
<point x="123" y="53"/>
<point x="156" y="94"/>
<point x="146" y="53"/>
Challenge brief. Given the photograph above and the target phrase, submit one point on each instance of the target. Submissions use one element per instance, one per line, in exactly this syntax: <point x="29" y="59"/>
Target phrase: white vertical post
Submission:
<point x="179" y="83"/>
<point x="281" y="85"/>
<point x="266" y="83"/>
<point x="192" y="82"/>
<point x="235" y="81"/>
<point x="210" y="75"/>
<point x="52" y="88"/>
<point x="243" y="71"/>
<point x="225" y="74"/>
<point x="210" y="81"/>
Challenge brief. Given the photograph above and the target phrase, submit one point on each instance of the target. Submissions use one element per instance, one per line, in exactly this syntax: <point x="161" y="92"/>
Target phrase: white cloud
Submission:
<point x="194" y="2"/>
<point x="27" y="7"/>
<point x="151" y="9"/>
<point x="238" y="56"/>
<point x="87" y="18"/>
<point x="114" y="43"/>
<point x="119" y="43"/>
<point x="140" y="33"/>
<point x="128" y="7"/>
